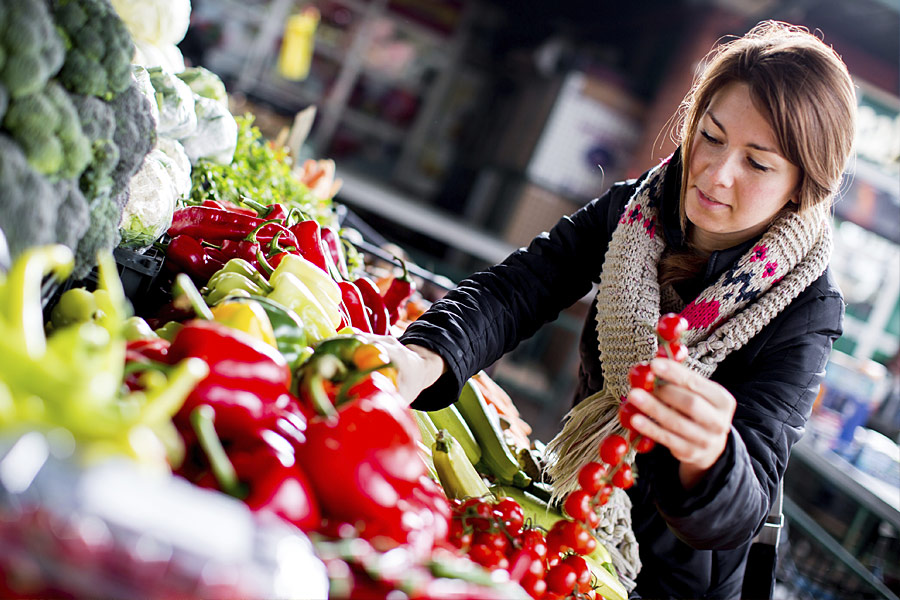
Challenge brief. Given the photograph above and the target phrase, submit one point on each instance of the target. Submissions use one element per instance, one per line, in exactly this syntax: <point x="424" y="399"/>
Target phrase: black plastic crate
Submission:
<point x="137" y="271"/>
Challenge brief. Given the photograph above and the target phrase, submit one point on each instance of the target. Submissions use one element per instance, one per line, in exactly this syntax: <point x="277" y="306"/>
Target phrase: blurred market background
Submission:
<point x="463" y="128"/>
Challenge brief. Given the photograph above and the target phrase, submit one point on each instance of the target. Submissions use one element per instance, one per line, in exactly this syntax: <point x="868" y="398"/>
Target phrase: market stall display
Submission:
<point x="250" y="441"/>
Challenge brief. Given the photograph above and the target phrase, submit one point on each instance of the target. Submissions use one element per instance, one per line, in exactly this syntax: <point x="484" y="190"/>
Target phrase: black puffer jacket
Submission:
<point x="693" y="544"/>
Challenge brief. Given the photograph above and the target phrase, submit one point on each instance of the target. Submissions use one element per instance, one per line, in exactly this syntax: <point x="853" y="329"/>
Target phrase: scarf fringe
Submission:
<point x="565" y="455"/>
<point x="577" y="443"/>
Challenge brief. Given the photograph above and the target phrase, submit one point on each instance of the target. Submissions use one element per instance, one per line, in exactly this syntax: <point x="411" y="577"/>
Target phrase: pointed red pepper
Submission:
<point x="356" y="309"/>
<point x="398" y="292"/>
<point x="378" y="312"/>
<point x="213" y="224"/>
<point x="185" y="253"/>
<point x="272" y="211"/>
<point x="229" y="206"/>
<point x="333" y="244"/>
<point x="308" y="235"/>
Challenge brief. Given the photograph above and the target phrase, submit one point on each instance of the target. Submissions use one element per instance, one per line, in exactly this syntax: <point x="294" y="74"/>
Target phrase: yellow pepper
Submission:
<point x="248" y="317"/>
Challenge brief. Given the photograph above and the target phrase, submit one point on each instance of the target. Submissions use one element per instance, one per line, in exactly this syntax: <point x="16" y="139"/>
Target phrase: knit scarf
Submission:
<point x="793" y="253"/>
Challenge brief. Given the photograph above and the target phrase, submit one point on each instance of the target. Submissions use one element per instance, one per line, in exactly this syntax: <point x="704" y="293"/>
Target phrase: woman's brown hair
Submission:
<point x="804" y="90"/>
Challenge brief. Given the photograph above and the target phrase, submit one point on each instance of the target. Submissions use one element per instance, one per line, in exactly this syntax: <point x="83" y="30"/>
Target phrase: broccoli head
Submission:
<point x="135" y="134"/>
<point x="28" y="202"/>
<point x="31" y="50"/>
<point x="102" y="234"/>
<point x="46" y="126"/>
<point x="98" y="122"/>
<point x="73" y="215"/>
<point x="4" y="101"/>
<point x="98" y="47"/>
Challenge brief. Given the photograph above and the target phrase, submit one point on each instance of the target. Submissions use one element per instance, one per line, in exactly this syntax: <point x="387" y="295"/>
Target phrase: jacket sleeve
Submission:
<point x="489" y="313"/>
<point x="774" y="400"/>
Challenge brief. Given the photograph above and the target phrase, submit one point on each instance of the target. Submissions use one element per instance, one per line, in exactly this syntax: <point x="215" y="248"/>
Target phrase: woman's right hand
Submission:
<point x="417" y="367"/>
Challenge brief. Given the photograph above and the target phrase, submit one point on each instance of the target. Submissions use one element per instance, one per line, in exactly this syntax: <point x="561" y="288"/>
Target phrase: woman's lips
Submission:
<point x="709" y="202"/>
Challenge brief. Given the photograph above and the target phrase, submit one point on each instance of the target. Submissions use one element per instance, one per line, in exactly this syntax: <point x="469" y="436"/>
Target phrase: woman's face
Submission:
<point x="738" y="180"/>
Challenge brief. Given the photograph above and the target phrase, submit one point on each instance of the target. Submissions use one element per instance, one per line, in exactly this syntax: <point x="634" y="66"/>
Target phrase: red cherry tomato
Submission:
<point x="591" y="477"/>
<point x="626" y="411"/>
<point x="613" y="449"/>
<point x="524" y="562"/>
<point x="459" y="535"/>
<point x="674" y="350"/>
<point x="578" y="505"/>
<point x="671" y="326"/>
<point x="557" y="542"/>
<point x="511" y="515"/>
<point x="495" y="540"/>
<point x="582" y="571"/>
<point x="533" y="585"/>
<point x="561" y="579"/>
<point x="604" y="494"/>
<point x="483" y="555"/>
<point x="535" y="541"/>
<point x="623" y="478"/>
<point x="641" y="376"/>
<point x="575" y="537"/>
<point x="478" y="514"/>
<point x="641" y="443"/>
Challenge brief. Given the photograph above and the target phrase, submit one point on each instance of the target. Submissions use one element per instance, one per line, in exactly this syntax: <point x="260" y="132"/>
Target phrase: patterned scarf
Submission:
<point x="793" y="253"/>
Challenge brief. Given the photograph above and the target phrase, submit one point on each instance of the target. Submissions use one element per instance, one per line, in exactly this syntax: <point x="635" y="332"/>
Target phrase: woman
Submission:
<point x="732" y="231"/>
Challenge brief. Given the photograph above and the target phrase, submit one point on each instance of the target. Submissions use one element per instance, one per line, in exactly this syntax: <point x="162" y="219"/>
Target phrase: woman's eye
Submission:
<point x="709" y="138"/>
<point x="757" y="166"/>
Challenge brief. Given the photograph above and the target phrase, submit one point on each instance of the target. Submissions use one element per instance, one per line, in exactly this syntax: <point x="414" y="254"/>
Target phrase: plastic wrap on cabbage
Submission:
<point x="175" y="100"/>
<point x="159" y="22"/>
<point x="151" y="203"/>
<point x="205" y="83"/>
<point x="178" y="165"/>
<point x="142" y="76"/>
<point x="167" y="56"/>
<point x="215" y="137"/>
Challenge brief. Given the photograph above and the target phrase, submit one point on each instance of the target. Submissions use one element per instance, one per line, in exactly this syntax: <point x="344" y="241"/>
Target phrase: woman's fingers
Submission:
<point x="687" y="413"/>
<point x="680" y="375"/>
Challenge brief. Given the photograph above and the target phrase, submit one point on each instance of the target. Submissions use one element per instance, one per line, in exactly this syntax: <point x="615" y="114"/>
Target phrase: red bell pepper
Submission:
<point x="379" y="316"/>
<point x="362" y="450"/>
<point x="356" y="309"/>
<point x="399" y="291"/>
<point x="243" y="371"/>
<point x="258" y="469"/>
<point x="185" y="253"/>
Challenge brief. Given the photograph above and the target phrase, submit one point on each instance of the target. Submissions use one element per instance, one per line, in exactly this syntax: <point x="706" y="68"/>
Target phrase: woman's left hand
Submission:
<point x="688" y="414"/>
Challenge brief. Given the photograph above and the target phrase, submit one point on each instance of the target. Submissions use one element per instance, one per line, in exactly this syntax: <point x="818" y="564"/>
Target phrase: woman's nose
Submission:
<point x="722" y="169"/>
